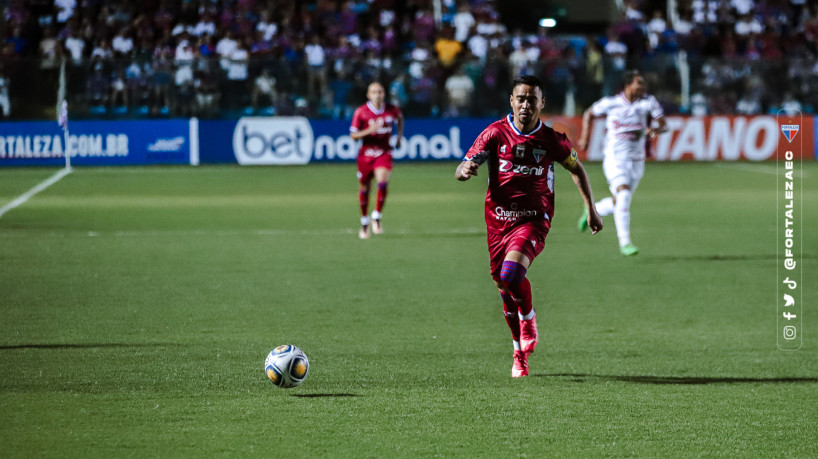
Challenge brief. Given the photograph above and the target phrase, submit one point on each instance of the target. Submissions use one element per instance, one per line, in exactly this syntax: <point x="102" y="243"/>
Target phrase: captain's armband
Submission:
<point x="479" y="158"/>
<point x="570" y="161"/>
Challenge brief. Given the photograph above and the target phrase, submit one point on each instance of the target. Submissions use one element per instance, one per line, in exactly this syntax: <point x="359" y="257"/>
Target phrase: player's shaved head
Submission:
<point x="374" y="86"/>
<point x="376" y="94"/>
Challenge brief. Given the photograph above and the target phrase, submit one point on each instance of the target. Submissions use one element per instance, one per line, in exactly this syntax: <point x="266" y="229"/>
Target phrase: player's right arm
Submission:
<point x="580" y="177"/>
<point x="477" y="155"/>
<point x="585" y="134"/>
<point x="598" y="108"/>
<point x="357" y="131"/>
<point x="465" y="170"/>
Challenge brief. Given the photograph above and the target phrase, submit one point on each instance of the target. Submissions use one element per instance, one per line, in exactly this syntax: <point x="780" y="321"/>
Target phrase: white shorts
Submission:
<point x="623" y="172"/>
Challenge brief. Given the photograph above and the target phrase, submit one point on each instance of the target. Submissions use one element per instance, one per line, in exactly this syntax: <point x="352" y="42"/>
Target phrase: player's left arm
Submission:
<point x="580" y="177"/>
<point x="658" y="115"/>
<point x="661" y="126"/>
<point x="399" y="119"/>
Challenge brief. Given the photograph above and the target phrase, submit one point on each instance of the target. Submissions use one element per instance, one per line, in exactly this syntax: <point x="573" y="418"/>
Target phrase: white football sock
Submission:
<point x="622" y="216"/>
<point x="376" y="215"/>
<point x="605" y="207"/>
<point x="364" y="220"/>
<point x="516" y="345"/>
<point x="528" y="316"/>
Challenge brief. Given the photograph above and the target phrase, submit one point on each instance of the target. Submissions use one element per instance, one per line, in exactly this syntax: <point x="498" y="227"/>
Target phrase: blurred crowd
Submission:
<point x="444" y="58"/>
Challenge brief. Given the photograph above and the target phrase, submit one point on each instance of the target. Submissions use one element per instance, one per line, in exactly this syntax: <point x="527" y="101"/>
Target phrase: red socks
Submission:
<point x="382" y="191"/>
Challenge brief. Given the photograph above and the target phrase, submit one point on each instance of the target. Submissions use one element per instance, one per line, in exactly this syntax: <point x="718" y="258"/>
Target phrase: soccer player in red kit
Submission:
<point x="520" y="152"/>
<point x="373" y="122"/>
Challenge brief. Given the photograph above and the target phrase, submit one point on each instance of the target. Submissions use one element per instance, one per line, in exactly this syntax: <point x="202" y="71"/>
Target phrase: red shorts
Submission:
<point x="368" y="164"/>
<point x="529" y="239"/>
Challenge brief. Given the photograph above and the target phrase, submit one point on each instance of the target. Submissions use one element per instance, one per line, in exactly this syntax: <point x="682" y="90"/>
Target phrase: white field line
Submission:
<point x="259" y="232"/>
<point x="38" y="188"/>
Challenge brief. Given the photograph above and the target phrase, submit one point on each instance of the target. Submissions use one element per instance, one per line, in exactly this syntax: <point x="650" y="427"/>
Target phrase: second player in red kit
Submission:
<point x="373" y="123"/>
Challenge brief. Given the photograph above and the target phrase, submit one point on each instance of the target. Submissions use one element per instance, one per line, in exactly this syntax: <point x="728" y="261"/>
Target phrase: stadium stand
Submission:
<point x="209" y="58"/>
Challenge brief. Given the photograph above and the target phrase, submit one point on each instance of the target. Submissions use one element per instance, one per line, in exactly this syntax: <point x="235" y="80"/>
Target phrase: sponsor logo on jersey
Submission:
<point x="373" y="152"/>
<point x="503" y="214"/>
<point x="519" y="151"/>
<point x="508" y="166"/>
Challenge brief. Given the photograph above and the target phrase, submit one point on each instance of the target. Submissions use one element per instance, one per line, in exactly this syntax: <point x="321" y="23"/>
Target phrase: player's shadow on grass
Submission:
<point x="678" y="380"/>
<point x="340" y="395"/>
<point x="710" y="257"/>
<point x="716" y="257"/>
<point x="81" y="345"/>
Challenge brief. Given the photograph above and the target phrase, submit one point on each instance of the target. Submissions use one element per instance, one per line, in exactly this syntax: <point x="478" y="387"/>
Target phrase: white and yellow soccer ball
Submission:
<point x="286" y="366"/>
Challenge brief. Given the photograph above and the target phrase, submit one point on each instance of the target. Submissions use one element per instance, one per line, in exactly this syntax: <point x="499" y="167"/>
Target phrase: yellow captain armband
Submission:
<point x="570" y="161"/>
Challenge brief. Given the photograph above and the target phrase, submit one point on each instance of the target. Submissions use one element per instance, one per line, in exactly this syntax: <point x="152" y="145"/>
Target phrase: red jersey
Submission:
<point x="378" y="143"/>
<point x="521" y="172"/>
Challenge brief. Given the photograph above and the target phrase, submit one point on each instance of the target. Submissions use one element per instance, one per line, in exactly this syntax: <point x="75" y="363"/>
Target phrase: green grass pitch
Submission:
<point x="138" y="305"/>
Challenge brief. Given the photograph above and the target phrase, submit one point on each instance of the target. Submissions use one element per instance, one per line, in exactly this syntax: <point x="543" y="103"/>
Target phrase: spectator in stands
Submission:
<point x="205" y="25"/>
<point x="316" y="66"/>
<point x="122" y="44"/>
<point x="162" y="65"/>
<point x="50" y="50"/>
<point x="65" y="9"/>
<point x="5" y="102"/>
<point x="424" y="26"/>
<point x="616" y="54"/>
<point x="102" y="51"/>
<point x="225" y="48"/>
<point x="119" y="91"/>
<point x="206" y="93"/>
<point x="591" y="83"/>
<point x="518" y="62"/>
<point x="459" y="91"/>
<point x="422" y="92"/>
<point x="340" y="87"/>
<point x="463" y="22"/>
<point x="75" y="46"/>
<point x="264" y="88"/>
<point x="656" y="27"/>
<point x="19" y="42"/>
<point x="398" y="92"/>
<point x="748" y="25"/>
<point x="389" y="42"/>
<point x="266" y="26"/>
<point x="184" y="59"/>
<point x="99" y="90"/>
<point x="447" y="50"/>
<point x="237" y="75"/>
<point x="479" y="45"/>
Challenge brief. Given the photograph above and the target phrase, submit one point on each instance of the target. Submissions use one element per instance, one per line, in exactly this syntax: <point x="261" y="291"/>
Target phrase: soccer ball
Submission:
<point x="286" y="366"/>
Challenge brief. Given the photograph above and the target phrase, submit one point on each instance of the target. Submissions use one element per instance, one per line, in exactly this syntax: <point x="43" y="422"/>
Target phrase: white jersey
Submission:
<point x="626" y="124"/>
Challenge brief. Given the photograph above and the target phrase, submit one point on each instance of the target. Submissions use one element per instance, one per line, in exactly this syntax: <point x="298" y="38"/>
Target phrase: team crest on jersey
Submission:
<point x="519" y="151"/>
<point x="538" y="154"/>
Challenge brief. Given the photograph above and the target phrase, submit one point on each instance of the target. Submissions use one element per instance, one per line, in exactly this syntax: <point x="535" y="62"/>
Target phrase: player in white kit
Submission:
<point x="629" y="127"/>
